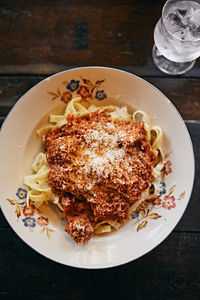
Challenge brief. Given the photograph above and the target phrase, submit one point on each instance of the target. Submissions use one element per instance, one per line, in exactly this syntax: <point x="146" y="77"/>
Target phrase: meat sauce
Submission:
<point x="98" y="168"/>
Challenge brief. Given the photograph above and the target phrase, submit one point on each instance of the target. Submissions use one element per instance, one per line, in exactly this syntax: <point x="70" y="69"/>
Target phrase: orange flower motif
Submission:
<point x="84" y="92"/>
<point x="168" y="202"/>
<point x="66" y="96"/>
<point x="28" y="211"/>
<point x="42" y="221"/>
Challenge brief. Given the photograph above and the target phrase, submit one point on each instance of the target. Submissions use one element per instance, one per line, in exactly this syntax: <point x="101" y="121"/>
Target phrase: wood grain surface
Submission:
<point x="49" y="36"/>
<point x="70" y="32"/>
<point x="39" y="38"/>
<point x="25" y="274"/>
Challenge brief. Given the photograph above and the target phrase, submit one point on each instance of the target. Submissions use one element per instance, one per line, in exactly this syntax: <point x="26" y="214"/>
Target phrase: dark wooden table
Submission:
<point x="39" y="38"/>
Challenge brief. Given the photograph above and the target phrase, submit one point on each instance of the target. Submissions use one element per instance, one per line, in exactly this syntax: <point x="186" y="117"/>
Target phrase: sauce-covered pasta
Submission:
<point x="99" y="164"/>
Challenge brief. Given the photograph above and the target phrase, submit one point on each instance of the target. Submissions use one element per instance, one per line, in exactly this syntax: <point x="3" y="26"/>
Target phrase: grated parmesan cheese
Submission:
<point x="103" y="152"/>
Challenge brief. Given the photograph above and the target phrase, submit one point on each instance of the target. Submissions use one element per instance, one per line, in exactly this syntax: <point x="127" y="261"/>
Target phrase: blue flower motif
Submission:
<point x="162" y="188"/>
<point x="135" y="216"/>
<point x="21" y="193"/>
<point x="100" y="95"/>
<point x="29" y="222"/>
<point x="73" y="85"/>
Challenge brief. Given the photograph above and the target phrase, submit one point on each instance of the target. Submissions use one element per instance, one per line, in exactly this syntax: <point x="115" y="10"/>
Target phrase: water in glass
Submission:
<point x="177" y="33"/>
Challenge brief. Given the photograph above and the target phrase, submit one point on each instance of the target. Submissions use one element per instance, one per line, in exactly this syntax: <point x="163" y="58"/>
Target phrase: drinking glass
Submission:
<point x="177" y="36"/>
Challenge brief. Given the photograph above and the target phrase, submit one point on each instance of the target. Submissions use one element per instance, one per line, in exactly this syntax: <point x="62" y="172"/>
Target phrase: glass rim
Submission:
<point x="163" y="9"/>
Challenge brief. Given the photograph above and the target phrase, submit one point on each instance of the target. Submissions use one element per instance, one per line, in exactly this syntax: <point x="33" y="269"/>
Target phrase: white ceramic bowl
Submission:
<point x="44" y="232"/>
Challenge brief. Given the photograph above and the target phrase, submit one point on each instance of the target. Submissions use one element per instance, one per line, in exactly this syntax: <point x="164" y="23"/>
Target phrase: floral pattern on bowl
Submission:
<point x="84" y="88"/>
<point x="164" y="200"/>
<point x="29" y="215"/>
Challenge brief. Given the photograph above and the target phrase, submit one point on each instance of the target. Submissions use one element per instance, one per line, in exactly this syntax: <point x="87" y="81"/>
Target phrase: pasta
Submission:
<point x="43" y="187"/>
